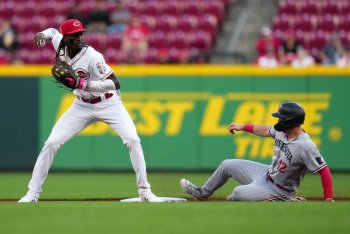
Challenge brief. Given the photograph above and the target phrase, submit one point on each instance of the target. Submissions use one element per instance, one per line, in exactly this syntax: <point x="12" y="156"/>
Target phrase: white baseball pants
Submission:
<point x="75" y="119"/>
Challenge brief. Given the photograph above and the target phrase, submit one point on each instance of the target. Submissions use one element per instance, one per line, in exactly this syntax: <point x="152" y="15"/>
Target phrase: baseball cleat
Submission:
<point x="191" y="189"/>
<point x="149" y="197"/>
<point x="29" y="197"/>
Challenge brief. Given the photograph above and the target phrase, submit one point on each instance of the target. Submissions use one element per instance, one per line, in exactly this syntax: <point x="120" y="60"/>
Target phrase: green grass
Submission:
<point x="191" y="217"/>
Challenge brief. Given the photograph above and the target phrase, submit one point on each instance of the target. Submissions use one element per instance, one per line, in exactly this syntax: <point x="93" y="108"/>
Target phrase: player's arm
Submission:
<point x="41" y="37"/>
<point x="256" y="129"/>
<point x="326" y="178"/>
<point x="110" y="83"/>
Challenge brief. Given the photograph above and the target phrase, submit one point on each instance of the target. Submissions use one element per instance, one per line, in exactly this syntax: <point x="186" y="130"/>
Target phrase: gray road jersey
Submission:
<point x="291" y="159"/>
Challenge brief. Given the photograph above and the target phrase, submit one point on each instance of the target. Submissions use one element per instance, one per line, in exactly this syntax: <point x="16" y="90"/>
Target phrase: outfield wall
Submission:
<point x="181" y="114"/>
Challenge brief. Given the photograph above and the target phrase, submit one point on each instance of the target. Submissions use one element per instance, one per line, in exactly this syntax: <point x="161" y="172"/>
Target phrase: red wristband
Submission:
<point x="248" y="128"/>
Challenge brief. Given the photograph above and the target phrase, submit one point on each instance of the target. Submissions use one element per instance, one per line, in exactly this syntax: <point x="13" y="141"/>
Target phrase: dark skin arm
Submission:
<point x="115" y="80"/>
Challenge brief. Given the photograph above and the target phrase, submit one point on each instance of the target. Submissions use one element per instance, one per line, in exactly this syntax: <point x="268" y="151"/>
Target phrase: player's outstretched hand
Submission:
<point x="39" y="40"/>
<point x="232" y="127"/>
<point x="329" y="200"/>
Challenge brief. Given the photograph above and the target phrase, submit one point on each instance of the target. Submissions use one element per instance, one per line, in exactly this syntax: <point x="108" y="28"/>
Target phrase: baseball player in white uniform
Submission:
<point x="97" y="99"/>
<point x="294" y="154"/>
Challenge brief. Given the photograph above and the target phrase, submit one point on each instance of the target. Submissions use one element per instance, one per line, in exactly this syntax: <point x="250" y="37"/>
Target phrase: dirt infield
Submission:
<point x="311" y="199"/>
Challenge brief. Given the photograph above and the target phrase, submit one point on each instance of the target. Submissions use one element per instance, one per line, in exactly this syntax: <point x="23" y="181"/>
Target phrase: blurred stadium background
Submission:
<point x="199" y="31"/>
<point x="195" y="70"/>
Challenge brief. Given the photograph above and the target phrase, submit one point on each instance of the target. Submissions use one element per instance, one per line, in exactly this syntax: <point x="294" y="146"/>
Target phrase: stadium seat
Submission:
<point x="201" y="40"/>
<point x="288" y="7"/>
<point x="114" y="56"/>
<point x="174" y="8"/>
<point x="97" y="40"/>
<point x="152" y="56"/>
<point x="192" y="24"/>
<point x="187" y="23"/>
<point x="192" y="7"/>
<point x="157" y="39"/>
<point x="166" y="23"/>
<point x="113" y="41"/>
<point x="208" y="23"/>
<point x="152" y="8"/>
<point x="331" y="7"/>
<point x="148" y="20"/>
<point x="178" y="39"/>
<point x="215" y="8"/>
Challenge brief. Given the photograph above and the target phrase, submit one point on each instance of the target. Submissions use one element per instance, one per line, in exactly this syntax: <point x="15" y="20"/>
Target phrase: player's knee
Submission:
<point x="132" y="141"/>
<point x="54" y="144"/>
<point x="227" y="163"/>
<point x="237" y="194"/>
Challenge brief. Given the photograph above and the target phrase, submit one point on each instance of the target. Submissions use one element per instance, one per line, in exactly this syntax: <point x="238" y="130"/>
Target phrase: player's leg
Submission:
<point x="259" y="190"/>
<point x="71" y="122"/>
<point x="120" y="121"/>
<point x="243" y="171"/>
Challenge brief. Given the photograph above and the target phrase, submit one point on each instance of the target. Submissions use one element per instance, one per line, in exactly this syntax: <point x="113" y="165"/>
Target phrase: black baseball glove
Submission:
<point x="65" y="75"/>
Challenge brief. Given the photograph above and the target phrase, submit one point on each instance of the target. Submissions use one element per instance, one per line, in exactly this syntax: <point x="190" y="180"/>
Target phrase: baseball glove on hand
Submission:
<point x="65" y="75"/>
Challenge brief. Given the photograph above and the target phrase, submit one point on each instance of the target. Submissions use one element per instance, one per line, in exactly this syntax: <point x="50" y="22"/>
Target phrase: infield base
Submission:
<point x="165" y="199"/>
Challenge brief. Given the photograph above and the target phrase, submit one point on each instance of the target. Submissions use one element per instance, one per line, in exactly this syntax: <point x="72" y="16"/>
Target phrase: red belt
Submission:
<point x="279" y="186"/>
<point x="95" y="100"/>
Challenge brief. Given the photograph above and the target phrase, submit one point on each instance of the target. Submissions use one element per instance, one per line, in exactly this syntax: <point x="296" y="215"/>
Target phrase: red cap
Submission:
<point x="72" y="26"/>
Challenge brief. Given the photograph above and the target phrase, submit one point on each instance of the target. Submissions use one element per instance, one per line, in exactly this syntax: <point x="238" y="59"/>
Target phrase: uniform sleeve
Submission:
<point x="56" y="39"/>
<point x="272" y="132"/>
<point x="99" y="67"/>
<point x="313" y="159"/>
<point x="53" y="35"/>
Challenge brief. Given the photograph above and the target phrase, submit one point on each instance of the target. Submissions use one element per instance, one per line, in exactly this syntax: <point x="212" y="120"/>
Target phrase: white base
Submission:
<point x="165" y="199"/>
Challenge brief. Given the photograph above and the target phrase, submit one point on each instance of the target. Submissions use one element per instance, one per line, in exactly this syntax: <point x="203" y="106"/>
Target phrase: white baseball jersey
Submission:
<point x="292" y="159"/>
<point x="88" y="63"/>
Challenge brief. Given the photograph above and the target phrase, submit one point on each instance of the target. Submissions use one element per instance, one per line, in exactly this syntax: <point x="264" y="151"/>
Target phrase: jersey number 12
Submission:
<point x="281" y="166"/>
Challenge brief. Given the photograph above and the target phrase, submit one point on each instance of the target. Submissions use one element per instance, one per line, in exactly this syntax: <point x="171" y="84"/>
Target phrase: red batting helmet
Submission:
<point x="72" y="26"/>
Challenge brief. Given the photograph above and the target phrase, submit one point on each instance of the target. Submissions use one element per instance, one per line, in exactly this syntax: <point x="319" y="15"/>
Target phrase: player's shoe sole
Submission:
<point x="191" y="189"/>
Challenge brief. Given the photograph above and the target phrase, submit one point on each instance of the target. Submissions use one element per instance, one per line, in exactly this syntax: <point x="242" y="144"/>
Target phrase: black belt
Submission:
<point x="95" y="100"/>
<point x="279" y="186"/>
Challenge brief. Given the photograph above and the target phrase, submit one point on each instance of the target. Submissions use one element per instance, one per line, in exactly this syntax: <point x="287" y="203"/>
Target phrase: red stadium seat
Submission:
<point x="7" y="9"/>
<point x="114" y="41"/>
<point x="172" y="8"/>
<point x="157" y="39"/>
<point x="152" y="56"/>
<point x="201" y="40"/>
<point x="148" y="20"/>
<point x="166" y="23"/>
<point x="187" y="23"/>
<point x="331" y="7"/>
<point x="133" y="6"/>
<point x="114" y="56"/>
<point x="215" y="8"/>
<point x="208" y="23"/>
<point x="153" y="8"/>
<point x="192" y="7"/>
<point x="46" y="56"/>
<point x="288" y="7"/>
<point x="26" y="40"/>
<point x="304" y="22"/>
<point x="326" y="23"/>
<point x="178" y="39"/>
<point x="97" y="40"/>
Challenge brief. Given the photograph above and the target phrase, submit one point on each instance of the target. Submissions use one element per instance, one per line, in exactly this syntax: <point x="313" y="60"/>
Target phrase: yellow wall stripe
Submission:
<point x="195" y="70"/>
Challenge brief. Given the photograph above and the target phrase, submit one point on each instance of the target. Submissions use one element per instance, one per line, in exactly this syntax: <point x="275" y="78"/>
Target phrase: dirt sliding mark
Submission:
<point x="311" y="199"/>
